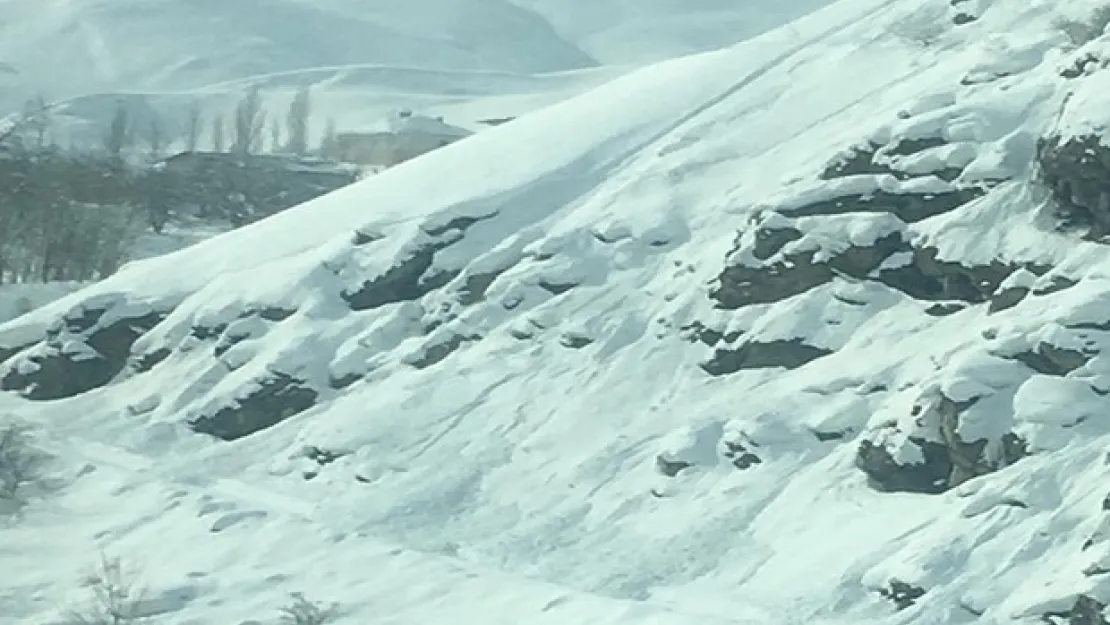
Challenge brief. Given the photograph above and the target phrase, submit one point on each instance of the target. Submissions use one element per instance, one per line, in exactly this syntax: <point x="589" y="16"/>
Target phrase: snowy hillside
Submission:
<point x="807" y="331"/>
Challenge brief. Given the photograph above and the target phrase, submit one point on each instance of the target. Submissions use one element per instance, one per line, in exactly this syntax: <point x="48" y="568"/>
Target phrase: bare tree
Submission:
<point x="327" y="143"/>
<point x="36" y="121"/>
<point x="299" y="111"/>
<point x="249" y="123"/>
<point x="156" y="137"/>
<point x="119" y="130"/>
<point x="275" y="135"/>
<point x="218" y="141"/>
<point x="193" y="121"/>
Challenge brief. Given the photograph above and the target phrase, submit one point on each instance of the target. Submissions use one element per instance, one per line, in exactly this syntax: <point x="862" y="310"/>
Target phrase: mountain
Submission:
<point x="68" y="48"/>
<point x="808" y="331"/>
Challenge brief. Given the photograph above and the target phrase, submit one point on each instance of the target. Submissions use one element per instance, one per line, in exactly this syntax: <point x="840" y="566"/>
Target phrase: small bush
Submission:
<point x="21" y="464"/>
<point x="1080" y="32"/>
<point x="304" y="612"/>
<point x="116" y="599"/>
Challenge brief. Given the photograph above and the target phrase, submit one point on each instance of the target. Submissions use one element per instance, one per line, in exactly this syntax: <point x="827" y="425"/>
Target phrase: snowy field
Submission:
<point x="628" y="360"/>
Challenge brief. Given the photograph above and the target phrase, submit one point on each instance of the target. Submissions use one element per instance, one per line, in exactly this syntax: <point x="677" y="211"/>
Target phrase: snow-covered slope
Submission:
<point x="804" y="331"/>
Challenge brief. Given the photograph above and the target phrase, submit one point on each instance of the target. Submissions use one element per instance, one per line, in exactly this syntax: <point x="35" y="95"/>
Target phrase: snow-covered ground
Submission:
<point x="623" y="361"/>
<point x="19" y="299"/>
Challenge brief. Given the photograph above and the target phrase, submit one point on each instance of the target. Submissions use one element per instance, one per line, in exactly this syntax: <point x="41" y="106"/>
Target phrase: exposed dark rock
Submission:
<point x="1085" y="64"/>
<point x="1076" y="172"/>
<point x="1006" y="299"/>
<point x="343" y="381"/>
<point x="400" y="283"/>
<point x="474" y="288"/>
<point x="556" y="288"/>
<point x="145" y="362"/>
<point x="788" y="353"/>
<point x="55" y="370"/>
<point x="903" y="595"/>
<point x="946" y="461"/>
<point x="1048" y="359"/>
<point x="768" y="241"/>
<point x="1055" y="285"/>
<point x="930" y="476"/>
<point x="323" y="456"/>
<point x="229" y="340"/>
<point x="8" y="352"/>
<point x="574" y="341"/>
<point x="909" y="207"/>
<point x="959" y="19"/>
<point x="874" y="159"/>
<point x="928" y="278"/>
<point x="272" y="313"/>
<point x="206" y="333"/>
<point x="361" y="237"/>
<point x="741" y="456"/>
<point x="1085" y="611"/>
<point x="457" y="223"/>
<point x="670" y="468"/>
<point x="696" y="331"/>
<point x="435" y="353"/>
<point x="834" y="435"/>
<point x="792" y="274"/>
<point x="943" y="309"/>
<point x="277" y="398"/>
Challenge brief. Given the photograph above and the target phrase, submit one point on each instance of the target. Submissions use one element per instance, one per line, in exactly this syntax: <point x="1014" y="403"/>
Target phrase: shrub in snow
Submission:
<point x="1081" y="31"/>
<point x="301" y="611"/>
<point x="21" y="464"/>
<point x="115" y="600"/>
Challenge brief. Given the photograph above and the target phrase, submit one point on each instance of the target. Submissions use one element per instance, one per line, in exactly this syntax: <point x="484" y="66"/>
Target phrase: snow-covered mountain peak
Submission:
<point x="808" y="330"/>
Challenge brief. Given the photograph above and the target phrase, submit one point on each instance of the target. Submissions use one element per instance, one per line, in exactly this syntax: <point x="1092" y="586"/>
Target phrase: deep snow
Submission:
<point x="516" y="480"/>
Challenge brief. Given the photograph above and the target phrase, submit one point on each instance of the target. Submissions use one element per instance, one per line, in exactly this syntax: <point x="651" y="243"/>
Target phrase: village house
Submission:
<point x="406" y="135"/>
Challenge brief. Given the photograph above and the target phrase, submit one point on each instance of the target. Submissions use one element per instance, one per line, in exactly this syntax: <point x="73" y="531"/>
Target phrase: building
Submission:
<point x="405" y="136"/>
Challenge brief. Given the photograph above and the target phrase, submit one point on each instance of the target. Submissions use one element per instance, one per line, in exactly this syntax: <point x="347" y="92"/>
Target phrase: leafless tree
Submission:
<point x="218" y="139"/>
<point x="299" y="112"/>
<point x="193" y="121"/>
<point x="275" y="135"/>
<point x="36" y="120"/>
<point x="327" y="143"/>
<point x="119" y="130"/>
<point x="249" y="123"/>
<point x="156" y="137"/>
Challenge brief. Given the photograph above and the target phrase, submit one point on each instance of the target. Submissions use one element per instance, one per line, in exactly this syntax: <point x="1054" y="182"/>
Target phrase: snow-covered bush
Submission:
<point x="1080" y="31"/>
<point x="21" y="464"/>
<point x="116" y="597"/>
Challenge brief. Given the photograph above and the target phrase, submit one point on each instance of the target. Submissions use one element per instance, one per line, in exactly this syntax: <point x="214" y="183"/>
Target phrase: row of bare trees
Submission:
<point x="244" y="132"/>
